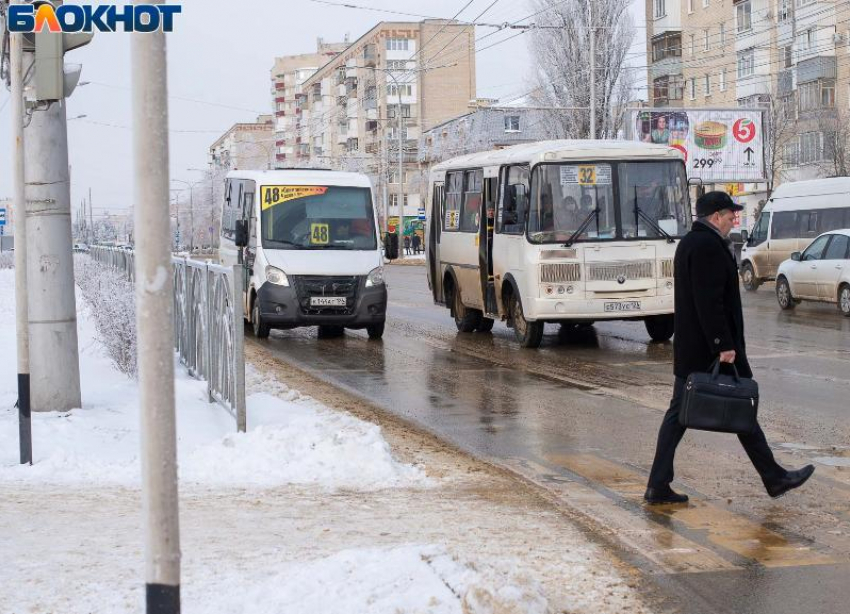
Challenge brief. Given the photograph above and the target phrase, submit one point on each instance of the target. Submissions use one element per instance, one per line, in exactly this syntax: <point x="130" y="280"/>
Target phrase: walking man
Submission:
<point x="709" y="322"/>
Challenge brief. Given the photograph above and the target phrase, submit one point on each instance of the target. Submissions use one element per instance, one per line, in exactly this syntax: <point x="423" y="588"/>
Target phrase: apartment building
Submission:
<point x="423" y="72"/>
<point x="288" y="76"/>
<point x="245" y="146"/>
<point x="791" y="57"/>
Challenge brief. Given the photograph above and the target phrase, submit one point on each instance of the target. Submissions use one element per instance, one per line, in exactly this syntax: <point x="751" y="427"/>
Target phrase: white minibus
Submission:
<point x="308" y="240"/>
<point x="795" y="215"/>
<point x="558" y="231"/>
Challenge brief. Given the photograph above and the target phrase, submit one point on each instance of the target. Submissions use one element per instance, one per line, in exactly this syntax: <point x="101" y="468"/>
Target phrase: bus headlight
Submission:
<point x="375" y="277"/>
<point x="275" y="276"/>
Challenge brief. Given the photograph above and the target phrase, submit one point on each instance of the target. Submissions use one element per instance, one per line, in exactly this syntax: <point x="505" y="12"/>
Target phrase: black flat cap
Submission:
<point x="711" y="202"/>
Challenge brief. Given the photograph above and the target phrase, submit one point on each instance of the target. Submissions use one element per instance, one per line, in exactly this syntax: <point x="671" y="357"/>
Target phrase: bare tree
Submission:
<point x="560" y="50"/>
<point x="834" y="124"/>
<point x="780" y="130"/>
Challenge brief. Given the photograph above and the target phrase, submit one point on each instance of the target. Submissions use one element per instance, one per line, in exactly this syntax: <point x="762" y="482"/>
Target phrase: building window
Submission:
<point x="811" y="147"/>
<point x="744" y="16"/>
<point x="827" y="95"/>
<point x="400" y="65"/>
<point x="394" y="200"/>
<point x="690" y="6"/>
<point x="406" y="89"/>
<point x="660" y="8"/>
<point x="705" y="40"/>
<point x="787" y="56"/>
<point x="394" y="175"/>
<point x="705" y="4"/>
<point x="790" y="154"/>
<point x="398" y="44"/>
<point x="722" y="33"/>
<point x="722" y="79"/>
<point x="788" y="107"/>
<point x="692" y="88"/>
<point x="406" y="111"/>
<point x="665" y="89"/>
<point x="512" y="123"/>
<point x="691" y="46"/>
<point x="746" y="63"/>
<point x="707" y="84"/>
<point x="805" y="2"/>
<point x="806" y="40"/>
<point x="783" y="10"/>
<point x="667" y="45"/>
<point x="817" y="95"/>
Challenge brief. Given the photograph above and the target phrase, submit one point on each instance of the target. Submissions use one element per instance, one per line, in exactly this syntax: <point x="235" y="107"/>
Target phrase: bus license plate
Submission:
<point x="327" y="301"/>
<point x="623" y="306"/>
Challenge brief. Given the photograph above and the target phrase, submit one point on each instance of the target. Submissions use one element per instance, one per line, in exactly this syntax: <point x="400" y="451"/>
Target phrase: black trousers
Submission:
<point x="671" y="433"/>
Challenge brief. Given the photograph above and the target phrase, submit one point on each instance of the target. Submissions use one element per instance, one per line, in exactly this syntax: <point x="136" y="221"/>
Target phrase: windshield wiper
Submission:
<point x="582" y="228"/>
<point x="639" y="213"/>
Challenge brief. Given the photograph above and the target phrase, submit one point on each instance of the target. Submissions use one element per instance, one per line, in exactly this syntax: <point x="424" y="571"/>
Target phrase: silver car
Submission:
<point x="821" y="273"/>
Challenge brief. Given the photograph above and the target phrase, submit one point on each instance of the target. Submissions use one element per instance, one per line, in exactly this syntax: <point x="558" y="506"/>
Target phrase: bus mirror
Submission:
<point x="241" y="233"/>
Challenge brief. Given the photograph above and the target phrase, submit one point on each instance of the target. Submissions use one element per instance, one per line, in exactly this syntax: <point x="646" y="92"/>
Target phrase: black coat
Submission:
<point x="709" y="318"/>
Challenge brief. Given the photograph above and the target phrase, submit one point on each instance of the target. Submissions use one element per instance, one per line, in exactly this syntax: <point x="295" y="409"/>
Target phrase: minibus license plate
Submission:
<point x="327" y="301"/>
<point x="623" y="306"/>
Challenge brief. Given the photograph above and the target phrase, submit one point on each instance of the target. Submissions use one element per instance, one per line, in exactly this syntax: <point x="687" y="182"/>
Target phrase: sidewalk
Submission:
<point x="314" y="510"/>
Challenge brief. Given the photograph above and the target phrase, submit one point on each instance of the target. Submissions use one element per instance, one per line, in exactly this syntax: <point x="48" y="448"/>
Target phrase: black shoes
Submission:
<point x="657" y="496"/>
<point x="792" y="480"/>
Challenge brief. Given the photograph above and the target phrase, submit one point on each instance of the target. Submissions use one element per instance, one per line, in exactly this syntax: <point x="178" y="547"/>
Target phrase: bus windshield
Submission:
<point x="317" y="217"/>
<point x="608" y="201"/>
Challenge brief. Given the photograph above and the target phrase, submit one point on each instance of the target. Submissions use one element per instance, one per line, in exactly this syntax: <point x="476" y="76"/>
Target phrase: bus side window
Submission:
<point x="513" y="205"/>
<point x="227" y="220"/>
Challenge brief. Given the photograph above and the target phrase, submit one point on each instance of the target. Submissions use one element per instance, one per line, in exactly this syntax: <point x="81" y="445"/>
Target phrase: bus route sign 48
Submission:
<point x="41" y="16"/>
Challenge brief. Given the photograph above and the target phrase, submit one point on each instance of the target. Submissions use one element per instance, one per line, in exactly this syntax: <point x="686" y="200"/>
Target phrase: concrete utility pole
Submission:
<point x="155" y="324"/>
<point x="592" y="71"/>
<point x="20" y="208"/>
<point x="54" y="353"/>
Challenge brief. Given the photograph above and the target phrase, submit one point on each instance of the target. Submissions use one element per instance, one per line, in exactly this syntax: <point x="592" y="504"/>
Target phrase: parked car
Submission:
<point x="821" y="273"/>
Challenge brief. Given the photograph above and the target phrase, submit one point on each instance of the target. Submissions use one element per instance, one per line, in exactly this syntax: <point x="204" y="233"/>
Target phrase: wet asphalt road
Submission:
<point x="579" y="416"/>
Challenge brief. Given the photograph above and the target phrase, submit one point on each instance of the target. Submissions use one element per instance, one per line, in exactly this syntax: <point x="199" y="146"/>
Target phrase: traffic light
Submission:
<point x="52" y="80"/>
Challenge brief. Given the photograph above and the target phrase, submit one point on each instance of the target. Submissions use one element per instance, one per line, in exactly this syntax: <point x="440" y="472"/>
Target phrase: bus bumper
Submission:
<point x="595" y="309"/>
<point x="281" y="307"/>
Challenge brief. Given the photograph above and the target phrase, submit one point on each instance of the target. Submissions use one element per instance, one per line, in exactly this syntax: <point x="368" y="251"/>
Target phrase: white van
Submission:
<point x="309" y="242"/>
<point x="794" y="216"/>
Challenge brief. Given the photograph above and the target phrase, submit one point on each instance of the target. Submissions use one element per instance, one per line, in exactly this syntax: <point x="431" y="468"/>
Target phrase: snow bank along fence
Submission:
<point x="208" y="324"/>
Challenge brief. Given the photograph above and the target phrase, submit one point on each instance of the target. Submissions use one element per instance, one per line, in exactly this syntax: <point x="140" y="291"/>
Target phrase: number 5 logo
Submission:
<point x="744" y="130"/>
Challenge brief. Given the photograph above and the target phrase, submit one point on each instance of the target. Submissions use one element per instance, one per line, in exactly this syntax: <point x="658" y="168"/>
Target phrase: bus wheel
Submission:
<point x="261" y="329"/>
<point x="660" y="328"/>
<point x="376" y="331"/>
<point x="529" y="334"/>
<point x="466" y="319"/>
<point x="748" y="277"/>
<point x="486" y="325"/>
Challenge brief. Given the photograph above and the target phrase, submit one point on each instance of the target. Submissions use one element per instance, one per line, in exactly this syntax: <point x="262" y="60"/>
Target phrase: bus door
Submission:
<point x="485" y="244"/>
<point x="247" y="190"/>
<point x="434" y="228"/>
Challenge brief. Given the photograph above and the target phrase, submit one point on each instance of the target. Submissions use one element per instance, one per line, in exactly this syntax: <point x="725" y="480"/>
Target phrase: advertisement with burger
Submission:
<point x="719" y="145"/>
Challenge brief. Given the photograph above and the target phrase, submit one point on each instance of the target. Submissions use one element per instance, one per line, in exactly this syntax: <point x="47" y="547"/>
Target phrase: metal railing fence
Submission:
<point x="208" y="324"/>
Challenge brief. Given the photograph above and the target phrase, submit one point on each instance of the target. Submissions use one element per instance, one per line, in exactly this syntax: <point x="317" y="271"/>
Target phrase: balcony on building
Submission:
<point x="279" y="86"/>
<point x="372" y="126"/>
<point x="280" y="99"/>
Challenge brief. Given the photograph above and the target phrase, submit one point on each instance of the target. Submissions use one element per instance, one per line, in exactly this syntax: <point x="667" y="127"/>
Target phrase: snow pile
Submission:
<point x="411" y="579"/>
<point x="290" y="440"/>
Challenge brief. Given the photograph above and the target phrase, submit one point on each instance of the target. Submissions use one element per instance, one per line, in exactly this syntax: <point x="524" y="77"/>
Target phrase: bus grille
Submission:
<point x="559" y="273"/>
<point x="667" y="269"/>
<point x="613" y="271"/>
<point x="307" y="287"/>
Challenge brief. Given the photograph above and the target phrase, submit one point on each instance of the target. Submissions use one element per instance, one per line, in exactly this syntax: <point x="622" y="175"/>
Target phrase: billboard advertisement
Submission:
<point x="720" y="145"/>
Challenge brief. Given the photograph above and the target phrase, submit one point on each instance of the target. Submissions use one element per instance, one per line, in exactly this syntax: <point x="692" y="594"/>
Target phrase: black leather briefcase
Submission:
<point x="722" y="403"/>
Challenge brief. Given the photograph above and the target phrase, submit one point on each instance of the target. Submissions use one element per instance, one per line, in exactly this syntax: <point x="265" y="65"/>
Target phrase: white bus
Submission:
<point x="309" y="243"/>
<point x="559" y="231"/>
<point x="795" y="215"/>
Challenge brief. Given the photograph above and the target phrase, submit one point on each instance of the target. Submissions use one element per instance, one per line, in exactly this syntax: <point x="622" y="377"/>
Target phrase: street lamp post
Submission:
<point x="191" y="187"/>
<point x="400" y="123"/>
<point x="175" y="194"/>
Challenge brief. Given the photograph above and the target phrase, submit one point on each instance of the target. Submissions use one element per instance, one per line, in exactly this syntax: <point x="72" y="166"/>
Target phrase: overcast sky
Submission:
<point x="220" y="57"/>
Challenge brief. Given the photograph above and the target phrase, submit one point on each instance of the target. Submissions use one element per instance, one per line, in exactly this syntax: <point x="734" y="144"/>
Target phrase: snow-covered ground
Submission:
<point x="309" y="512"/>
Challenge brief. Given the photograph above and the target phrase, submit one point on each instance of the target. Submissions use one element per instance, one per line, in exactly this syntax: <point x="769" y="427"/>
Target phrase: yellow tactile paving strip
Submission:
<point x="722" y="528"/>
